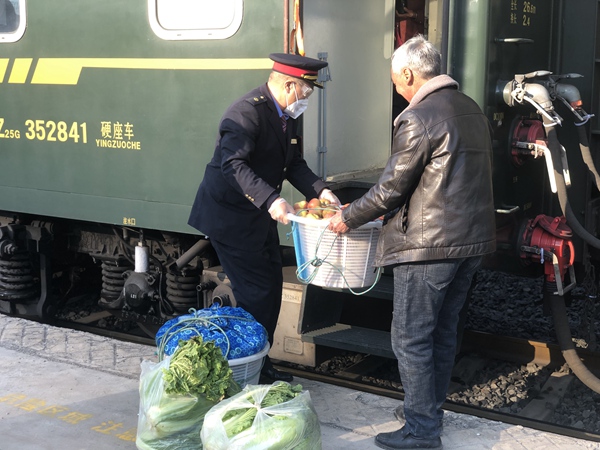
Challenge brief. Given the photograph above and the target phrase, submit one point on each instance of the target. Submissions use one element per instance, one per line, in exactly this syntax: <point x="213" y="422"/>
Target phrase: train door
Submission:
<point x="348" y="131"/>
<point x="356" y="38"/>
<point x="347" y="126"/>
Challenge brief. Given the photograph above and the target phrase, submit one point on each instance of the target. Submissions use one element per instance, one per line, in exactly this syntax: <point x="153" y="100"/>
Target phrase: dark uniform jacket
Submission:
<point x="252" y="159"/>
<point x="437" y="185"/>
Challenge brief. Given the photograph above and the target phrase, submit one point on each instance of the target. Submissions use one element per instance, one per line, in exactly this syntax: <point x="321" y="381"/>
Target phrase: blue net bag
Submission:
<point x="234" y="330"/>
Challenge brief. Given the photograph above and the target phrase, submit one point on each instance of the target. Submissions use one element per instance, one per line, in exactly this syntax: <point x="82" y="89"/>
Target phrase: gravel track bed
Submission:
<point x="512" y="306"/>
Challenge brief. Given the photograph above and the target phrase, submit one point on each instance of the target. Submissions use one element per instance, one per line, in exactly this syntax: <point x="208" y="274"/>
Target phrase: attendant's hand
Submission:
<point x="326" y="194"/>
<point x="279" y="210"/>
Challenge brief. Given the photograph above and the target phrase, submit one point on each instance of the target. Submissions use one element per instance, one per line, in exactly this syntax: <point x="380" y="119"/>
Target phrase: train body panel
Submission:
<point x="125" y="121"/>
<point x="112" y="121"/>
<point x="109" y="114"/>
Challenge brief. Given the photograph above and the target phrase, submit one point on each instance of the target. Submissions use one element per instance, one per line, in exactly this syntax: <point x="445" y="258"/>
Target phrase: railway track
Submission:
<point x="536" y="410"/>
<point x="449" y="405"/>
<point x="376" y="375"/>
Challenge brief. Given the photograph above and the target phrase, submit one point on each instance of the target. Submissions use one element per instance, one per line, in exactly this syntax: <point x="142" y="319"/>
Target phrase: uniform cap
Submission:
<point x="297" y="66"/>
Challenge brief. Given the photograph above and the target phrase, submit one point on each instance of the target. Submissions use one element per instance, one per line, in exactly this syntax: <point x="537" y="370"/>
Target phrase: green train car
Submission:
<point x="109" y="113"/>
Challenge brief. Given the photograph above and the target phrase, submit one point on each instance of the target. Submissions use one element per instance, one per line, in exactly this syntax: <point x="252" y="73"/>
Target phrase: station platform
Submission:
<point x="67" y="389"/>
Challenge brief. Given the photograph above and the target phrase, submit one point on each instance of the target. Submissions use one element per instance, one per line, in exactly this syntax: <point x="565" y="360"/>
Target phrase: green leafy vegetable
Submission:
<point x="273" y="417"/>
<point x="199" y="368"/>
<point x="176" y="394"/>
<point x="238" y="420"/>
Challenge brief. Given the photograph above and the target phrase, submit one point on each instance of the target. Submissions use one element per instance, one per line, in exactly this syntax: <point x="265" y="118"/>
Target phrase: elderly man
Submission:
<point x="436" y="197"/>
<point x="238" y="203"/>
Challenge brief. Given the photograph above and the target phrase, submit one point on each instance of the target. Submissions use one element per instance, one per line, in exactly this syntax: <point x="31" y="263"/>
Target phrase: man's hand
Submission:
<point x="279" y="210"/>
<point x="326" y="194"/>
<point x="337" y="225"/>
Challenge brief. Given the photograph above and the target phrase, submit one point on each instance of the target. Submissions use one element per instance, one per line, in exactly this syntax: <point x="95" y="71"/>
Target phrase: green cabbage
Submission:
<point x="176" y="394"/>
<point x="265" y="417"/>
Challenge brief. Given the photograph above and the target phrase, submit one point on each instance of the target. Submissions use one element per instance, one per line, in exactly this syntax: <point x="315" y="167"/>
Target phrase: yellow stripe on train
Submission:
<point x="68" y="70"/>
<point x="20" y="69"/>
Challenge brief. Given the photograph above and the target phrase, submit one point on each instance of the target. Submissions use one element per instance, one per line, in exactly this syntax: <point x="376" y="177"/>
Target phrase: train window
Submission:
<point x="195" y="19"/>
<point x="12" y="20"/>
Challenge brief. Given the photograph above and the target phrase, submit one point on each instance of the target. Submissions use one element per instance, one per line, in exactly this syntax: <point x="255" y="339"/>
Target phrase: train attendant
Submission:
<point x="436" y="197"/>
<point x="238" y="203"/>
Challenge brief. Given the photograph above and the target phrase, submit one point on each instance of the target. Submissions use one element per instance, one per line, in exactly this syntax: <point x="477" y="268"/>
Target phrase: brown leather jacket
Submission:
<point x="436" y="189"/>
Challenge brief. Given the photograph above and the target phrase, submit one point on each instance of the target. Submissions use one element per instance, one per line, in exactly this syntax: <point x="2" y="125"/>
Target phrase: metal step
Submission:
<point x="357" y="339"/>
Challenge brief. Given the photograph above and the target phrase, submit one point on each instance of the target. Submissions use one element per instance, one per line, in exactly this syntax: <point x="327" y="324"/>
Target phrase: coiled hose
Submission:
<point x="563" y="334"/>
<point x="555" y="149"/>
<point x="557" y="302"/>
<point x="586" y="154"/>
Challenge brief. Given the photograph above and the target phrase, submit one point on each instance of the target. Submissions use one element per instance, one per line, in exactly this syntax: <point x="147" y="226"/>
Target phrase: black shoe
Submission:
<point x="401" y="439"/>
<point x="399" y="414"/>
<point x="272" y="374"/>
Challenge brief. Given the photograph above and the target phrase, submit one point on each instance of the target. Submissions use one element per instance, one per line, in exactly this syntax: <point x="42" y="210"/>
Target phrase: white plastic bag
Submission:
<point x="167" y="421"/>
<point x="292" y="424"/>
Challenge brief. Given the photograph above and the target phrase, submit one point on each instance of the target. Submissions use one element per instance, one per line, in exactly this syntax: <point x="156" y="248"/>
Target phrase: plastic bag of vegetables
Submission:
<point x="177" y="392"/>
<point x="263" y="417"/>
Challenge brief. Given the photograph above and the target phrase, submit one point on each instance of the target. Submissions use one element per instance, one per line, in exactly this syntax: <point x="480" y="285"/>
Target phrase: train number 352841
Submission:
<point x="49" y="130"/>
